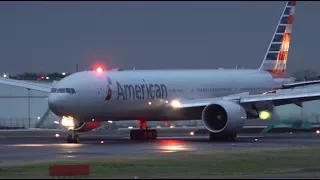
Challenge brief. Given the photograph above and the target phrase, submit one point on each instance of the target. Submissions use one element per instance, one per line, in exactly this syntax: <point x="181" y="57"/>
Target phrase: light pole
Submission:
<point x="29" y="107"/>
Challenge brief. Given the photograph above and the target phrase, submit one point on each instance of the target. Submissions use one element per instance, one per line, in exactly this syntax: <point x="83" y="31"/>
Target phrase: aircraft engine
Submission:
<point x="224" y="117"/>
<point x="87" y="126"/>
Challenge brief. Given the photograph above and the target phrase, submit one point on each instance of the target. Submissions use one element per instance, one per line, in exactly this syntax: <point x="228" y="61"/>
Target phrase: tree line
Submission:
<point x="39" y="76"/>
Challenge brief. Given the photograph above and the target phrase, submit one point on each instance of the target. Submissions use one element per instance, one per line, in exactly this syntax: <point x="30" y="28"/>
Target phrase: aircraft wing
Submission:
<point x="298" y="84"/>
<point x="286" y="97"/>
<point x="27" y="85"/>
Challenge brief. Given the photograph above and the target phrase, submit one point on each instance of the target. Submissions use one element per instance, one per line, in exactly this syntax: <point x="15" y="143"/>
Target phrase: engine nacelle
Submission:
<point x="224" y="117"/>
<point x="87" y="126"/>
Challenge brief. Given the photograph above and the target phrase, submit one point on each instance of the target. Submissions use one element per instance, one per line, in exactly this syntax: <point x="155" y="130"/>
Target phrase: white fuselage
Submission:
<point x="140" y="94"/>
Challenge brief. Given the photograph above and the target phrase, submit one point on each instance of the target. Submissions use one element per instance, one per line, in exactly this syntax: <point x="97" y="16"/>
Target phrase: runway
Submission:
<point x="41" y="148"/>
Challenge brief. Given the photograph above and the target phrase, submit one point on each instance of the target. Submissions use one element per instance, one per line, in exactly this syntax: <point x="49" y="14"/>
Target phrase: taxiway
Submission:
<point x="42" y="148"/>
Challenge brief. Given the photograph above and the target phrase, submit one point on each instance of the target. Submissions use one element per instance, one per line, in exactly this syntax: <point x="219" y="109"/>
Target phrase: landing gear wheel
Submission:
<point x="69" y="139"/>
<point x="223" y="137"/>
<point x="154" y="134"/>
<point x="134" y="134"/>
<point x="145" y="134"/>
<point x="74" y="139"/>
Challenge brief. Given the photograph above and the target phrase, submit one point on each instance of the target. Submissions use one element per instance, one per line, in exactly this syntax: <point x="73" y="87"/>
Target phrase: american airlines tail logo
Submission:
<point x="109" y="90"/>
<point x="276" y="58"/>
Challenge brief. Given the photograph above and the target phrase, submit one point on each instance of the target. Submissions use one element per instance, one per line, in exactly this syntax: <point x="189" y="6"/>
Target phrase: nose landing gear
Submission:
<point x="73" y="138"/>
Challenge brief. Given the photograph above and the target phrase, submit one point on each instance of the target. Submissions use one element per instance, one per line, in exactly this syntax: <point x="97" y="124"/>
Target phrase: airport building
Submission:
<point x="21" y="107"/>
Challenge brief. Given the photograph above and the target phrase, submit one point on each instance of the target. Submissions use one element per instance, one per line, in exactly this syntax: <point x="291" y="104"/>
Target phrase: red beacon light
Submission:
<point x="99" y="70"/>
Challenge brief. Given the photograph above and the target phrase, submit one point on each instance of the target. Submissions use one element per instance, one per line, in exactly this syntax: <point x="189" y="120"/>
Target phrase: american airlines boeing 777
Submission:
<point x="222" y="98"/>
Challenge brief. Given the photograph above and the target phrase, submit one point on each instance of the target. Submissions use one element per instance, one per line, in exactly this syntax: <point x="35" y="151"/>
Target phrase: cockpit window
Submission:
<point x="61" y="90"/>
<point x="53" y="90"/>
<point x="68" y="90"/>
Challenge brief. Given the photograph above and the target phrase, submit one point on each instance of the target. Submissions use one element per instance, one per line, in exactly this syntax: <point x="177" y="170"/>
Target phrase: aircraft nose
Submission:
<point x="54" y="102"/>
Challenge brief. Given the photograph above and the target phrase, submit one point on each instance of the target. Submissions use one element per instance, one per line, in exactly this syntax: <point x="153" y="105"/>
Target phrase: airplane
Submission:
<point x="222" y="98"/>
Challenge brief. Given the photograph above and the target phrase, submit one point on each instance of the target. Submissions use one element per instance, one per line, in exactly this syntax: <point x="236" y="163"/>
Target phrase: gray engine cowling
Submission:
<point x="224" y="117"/>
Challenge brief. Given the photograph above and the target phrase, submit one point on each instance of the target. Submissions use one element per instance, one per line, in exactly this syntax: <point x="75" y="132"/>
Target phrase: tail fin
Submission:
<point x="275" y="60"/>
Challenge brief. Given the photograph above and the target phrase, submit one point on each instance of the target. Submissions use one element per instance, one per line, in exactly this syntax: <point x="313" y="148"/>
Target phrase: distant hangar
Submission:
<point x="26" y="106"/>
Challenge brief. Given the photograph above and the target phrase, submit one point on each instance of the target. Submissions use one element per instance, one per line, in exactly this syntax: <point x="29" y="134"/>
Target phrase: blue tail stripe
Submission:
<point x="272" y="56"/>
<point x="275" y="47"/>
<point x="277" y="38"/>
<point x="281" y="29"/>
<point x="287" y="11"/>
<point x="284" y="20"/>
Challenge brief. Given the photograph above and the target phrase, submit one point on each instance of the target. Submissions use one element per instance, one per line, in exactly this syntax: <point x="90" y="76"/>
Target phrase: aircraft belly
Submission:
<point x="128" y="110"/>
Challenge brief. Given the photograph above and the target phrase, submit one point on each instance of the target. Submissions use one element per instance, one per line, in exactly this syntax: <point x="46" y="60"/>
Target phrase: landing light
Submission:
<point x="191" y="133"/>
<point x="57" y="135"/>
<point x="67" y="121"/>
<point x="264" y="115"/>
<point x="318" y="131"/>
<point x="175" y="104"/>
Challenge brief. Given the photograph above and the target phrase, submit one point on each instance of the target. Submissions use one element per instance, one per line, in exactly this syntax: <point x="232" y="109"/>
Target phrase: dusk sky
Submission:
<point x="55" y="36"/>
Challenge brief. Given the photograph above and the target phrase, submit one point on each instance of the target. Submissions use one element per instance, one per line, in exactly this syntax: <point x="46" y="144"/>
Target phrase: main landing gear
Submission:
<point x="223" y="137"/>
<point x="143" y="133"/>
<point x="73" y="138"/>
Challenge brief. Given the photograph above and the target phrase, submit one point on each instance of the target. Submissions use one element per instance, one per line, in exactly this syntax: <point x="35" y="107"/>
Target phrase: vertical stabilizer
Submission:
<point x="276" y="58"/>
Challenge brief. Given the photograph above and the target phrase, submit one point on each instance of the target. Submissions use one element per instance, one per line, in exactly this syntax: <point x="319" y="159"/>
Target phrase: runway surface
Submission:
<point x="41" y="148"/>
